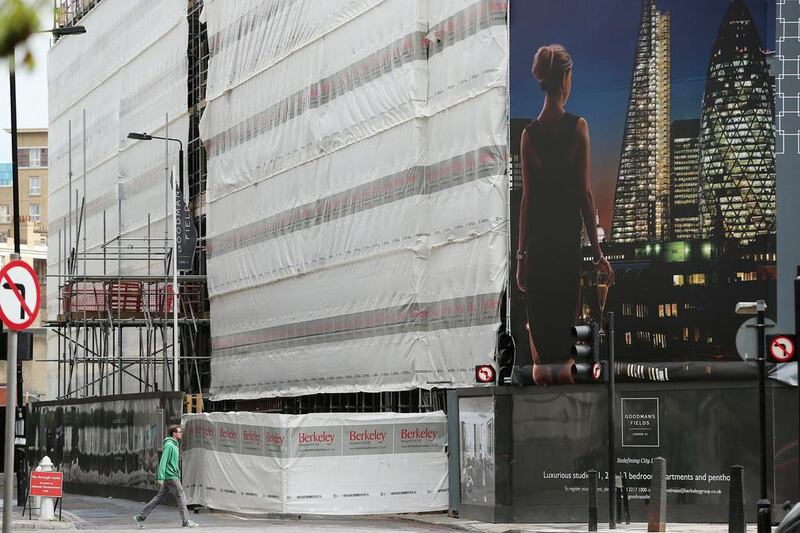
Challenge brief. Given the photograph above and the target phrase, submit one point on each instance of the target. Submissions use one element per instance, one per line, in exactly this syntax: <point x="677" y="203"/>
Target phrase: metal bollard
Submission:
<point x="34" y="502"/>
<point x="592" y="500"/>
<point x="764" y="516"/>
<point x="736" y="520"/>
<point x="657" y="515"/>
<point x="47" y="506"/>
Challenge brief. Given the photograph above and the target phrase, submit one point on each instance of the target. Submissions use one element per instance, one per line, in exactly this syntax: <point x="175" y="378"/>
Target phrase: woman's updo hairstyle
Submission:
<point x="549" y="66"/>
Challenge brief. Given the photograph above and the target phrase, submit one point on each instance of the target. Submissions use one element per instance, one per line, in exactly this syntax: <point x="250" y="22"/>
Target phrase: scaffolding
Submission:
<point x="116" y="324"/>
<point x="69" y="12"/>
<point x="115" y="331"/>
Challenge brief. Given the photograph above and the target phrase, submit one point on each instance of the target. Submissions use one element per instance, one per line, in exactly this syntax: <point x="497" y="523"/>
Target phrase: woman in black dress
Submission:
<point x="555" y="195"/>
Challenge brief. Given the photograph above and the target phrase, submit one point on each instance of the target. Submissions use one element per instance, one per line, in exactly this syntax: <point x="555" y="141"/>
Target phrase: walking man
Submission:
<point x="169" y="479"/>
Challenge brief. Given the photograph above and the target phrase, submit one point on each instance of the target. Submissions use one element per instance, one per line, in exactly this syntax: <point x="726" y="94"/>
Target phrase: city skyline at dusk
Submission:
<point x="603" y="66"/>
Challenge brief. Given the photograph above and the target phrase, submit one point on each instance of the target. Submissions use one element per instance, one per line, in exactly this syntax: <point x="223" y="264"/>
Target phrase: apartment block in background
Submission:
<point x="33" y="161"/>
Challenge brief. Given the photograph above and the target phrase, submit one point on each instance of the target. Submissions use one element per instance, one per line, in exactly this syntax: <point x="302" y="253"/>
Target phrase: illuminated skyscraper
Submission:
<point x="641" y="202"/>
<point x="685" y="185"/>
<point x="737" y="142"/>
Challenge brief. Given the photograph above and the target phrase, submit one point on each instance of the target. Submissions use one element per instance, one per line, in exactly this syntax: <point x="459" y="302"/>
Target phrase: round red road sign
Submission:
<point x="782" y="348"/>
<point x="484" y="374"/>
<point x="20" y="295"/>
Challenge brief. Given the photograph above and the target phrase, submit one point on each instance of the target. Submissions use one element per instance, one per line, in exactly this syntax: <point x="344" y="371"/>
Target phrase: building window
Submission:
<point x="40" y="267"/>
<point x="659" y="340"/>
<point x="674" y="309"/>
<point x="628" y="338"/>
<point x="32" y="157"/>
<point x="697" y="279"/>
<point x="747" y="276"/>
<point x="35" y="212"/>
<point x="34" y="186"/>
<point x="5" y="218"/>
<point x="660" y="311"/>
<point x="677" y="280"/>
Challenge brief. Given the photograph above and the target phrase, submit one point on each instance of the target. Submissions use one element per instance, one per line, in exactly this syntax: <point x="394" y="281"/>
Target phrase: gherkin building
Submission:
<point x="737" y="146"/>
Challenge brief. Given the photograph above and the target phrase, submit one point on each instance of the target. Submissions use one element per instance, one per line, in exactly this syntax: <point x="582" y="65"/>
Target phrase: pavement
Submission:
<point x="111" y="514"/>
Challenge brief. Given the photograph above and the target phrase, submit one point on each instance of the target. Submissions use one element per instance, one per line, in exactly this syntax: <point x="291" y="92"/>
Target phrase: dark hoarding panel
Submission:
<point x="556" y="435"/>
<point x="104" y="446"/>
<point x="700" y="432"/>
<point x="644" y="134"/>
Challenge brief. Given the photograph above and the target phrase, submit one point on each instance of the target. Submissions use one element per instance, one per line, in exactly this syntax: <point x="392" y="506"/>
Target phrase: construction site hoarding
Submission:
<point x="103" y="446"/>
<point x="331" y="463"/>
<point x="357" y="227"/>
<point x="661" y="173"/>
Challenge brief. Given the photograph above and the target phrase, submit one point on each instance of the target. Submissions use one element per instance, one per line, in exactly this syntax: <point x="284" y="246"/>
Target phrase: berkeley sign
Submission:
<point x="254" y="462"/>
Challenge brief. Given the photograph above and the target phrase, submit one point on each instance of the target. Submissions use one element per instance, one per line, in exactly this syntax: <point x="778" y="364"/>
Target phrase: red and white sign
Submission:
<point x="484" y="374"/>
<point x="47" y="484"/>
<point x="782" y="348"/>
<point x="20" y="295"/>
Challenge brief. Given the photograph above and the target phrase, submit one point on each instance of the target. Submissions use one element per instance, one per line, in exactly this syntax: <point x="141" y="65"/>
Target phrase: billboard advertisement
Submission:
<point x="642" y="146"/>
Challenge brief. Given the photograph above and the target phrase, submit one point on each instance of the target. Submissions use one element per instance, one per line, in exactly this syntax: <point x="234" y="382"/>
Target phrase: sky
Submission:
<point x="31" y="87"/>
<point x="601" y="37"/>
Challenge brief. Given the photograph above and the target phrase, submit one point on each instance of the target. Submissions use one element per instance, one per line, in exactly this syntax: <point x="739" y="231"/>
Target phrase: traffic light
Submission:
<point x="505" y="356"/>
<point x="588" y="367"/>
<point x="24" y="346"/>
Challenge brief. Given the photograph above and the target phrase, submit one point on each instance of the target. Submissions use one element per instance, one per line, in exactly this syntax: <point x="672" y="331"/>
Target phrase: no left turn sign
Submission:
<point x="20" y="295"/>
<point x="484" y="374"/>
<point x="781" y="348"/>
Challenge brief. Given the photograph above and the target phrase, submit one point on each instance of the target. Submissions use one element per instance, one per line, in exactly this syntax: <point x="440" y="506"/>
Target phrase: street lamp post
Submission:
<point x="176" y="351"/>
<point x="12" y="374"/>
<point x="763" y="506"/>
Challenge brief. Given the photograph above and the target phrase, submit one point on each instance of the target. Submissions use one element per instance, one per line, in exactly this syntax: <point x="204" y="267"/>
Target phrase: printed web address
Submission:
<point x="694" y="491"/>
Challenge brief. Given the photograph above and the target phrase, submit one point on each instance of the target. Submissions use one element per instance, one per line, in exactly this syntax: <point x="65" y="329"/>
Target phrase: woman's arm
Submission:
<point x="587" y="200"/>
<point x="527" y="169"/>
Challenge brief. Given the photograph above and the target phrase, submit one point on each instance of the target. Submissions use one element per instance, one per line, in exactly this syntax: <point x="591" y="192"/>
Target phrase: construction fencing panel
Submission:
<point x="357" y="188"/>
<point x="348" y="464"/>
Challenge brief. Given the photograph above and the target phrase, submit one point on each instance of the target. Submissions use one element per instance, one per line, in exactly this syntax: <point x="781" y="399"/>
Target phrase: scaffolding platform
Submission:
<point x="129" y="297"/>
<point x="122" y="333"/>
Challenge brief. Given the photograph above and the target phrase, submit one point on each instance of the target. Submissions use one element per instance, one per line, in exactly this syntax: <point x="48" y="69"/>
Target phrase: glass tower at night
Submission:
<point x="737" y="146"/>
<point x="685" y="185"/>
<point x="641" y="201"/>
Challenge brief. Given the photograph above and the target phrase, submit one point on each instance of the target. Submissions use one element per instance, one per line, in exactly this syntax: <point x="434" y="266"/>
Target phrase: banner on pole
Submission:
<point x="185" y="233"/>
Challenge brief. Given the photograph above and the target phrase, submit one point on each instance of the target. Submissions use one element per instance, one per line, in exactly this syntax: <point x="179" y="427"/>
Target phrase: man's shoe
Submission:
<point x="189" y="523"/>
<point x="139" y="521"/>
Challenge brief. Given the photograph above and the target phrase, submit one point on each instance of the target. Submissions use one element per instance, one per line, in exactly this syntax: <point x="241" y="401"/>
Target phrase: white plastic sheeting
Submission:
<point x="128" y="72"/>
<point x="357" y="193"/>
<point x="359" y="463"/>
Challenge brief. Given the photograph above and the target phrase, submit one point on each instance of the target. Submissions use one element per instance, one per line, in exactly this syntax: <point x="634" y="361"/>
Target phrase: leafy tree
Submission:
<point x="18" y="21"/>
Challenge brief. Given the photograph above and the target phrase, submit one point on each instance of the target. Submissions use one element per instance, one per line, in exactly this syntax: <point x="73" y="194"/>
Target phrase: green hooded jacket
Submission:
<point x="168" y="467"/>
